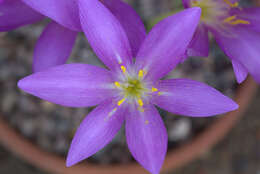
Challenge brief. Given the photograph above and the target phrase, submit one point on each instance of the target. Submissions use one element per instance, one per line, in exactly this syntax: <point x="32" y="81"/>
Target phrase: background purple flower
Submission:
<point x="235" y="29"/>
<point x="57" y="40"/>
<point x="130" y="89"/>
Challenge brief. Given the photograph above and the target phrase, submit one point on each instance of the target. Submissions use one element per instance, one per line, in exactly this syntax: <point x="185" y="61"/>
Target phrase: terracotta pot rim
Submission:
<point x="176" y="158"/>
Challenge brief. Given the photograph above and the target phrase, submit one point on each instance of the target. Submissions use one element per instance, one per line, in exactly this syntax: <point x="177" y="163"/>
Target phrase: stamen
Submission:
<point x="239" y="21"/>
<point x="140" y="102"/>
<point x="233" y="21"/>
<point x="117" y="84"/>
<point x="230" y="18"/>
<point x="123" y="68"/>
<point x="120" y="102"/>
<point x="141" y="74"/>
<point x="146" y="122"/>
<point x="159" y="93"/>
<point x="154" y="89"/>
<point x="232" y="5"/>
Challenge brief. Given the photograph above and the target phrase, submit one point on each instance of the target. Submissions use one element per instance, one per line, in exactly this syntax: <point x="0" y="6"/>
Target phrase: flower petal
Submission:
<point x="243" y="46"/>
<point x="104" y="33"/>
<point x="147" y="138"/>
<point x="75" y="85"/>
<point x="130" y="21"/>
<point x="96" y="130"/>
<point x="186" y="3"/>
<point x="240" y="71"/>
<point x="251" y="15"/>
<point x="199" y="45"/>
<point x="192" y="98"/>
<point x="64" y="12"/>
<point x="53" y="47"/>
<point x="166" y="44"/>
<point x="14" y="13"/>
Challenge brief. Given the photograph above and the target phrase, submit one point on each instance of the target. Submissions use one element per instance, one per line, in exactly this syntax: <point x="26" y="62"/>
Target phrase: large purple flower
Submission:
<point x="130" y="89"/>
<point x="57" y="40"/>
<point x="237" y="31"/>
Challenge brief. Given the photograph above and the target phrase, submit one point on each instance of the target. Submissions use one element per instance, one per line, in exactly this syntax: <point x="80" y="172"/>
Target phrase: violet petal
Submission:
<point x="14" y="14"/>
<point x="64" y="12"/>
<point x="186" y="3"/>
<point x="240" y="71"/>
<point x="96" y="130"/>
<point x="242" y="46"/>
<point x="104" y="33"/>
<point x="251" y="15"/>
<point x="199" y="45"/>
<point x="147" y="138"/>
<point x="74" y="85"/>
<point x="191" y="98"/>
<point x="166" y="44"/>
<point x="130" y="21"/>
<point x="53" y="47"/>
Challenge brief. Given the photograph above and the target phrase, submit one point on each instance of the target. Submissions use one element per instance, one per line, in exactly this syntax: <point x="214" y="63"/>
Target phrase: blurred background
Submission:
<point x="51" y="127"/>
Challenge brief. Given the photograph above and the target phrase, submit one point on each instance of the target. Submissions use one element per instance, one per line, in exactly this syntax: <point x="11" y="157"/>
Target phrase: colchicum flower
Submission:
<point x="128" y="91"/>
<point x="57" y="40"/>
<point x="236" y="30"/>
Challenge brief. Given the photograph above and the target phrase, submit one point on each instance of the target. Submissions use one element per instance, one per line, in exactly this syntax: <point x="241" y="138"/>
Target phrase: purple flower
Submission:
<point x="128" y="91"/>
<point x="57" y="40"/>
<point x="235" y="29"/>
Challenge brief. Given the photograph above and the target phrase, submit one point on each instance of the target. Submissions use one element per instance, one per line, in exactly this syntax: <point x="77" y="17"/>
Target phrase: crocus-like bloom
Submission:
<point x="57" y="40"/>
<point x="236" y="30"/>
<point x="128" y="91"/>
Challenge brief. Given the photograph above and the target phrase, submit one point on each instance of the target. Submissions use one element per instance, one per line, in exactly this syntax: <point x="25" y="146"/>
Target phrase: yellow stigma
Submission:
<point x="123" y="68"/>
<point x="140" y="102"/>
<point x="117" y="84"/>
<point x="231" y="4"/>
<point x="154" y="89"/>
<point x="120" y="102"/>
<point x="141" y="74"/>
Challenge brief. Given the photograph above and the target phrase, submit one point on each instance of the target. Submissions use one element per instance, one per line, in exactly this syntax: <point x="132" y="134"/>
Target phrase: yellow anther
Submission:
<point x="231" y="4"/>
<point x="120" y="102"/>
<point x="159" y="93"/>
<point x="146" y="122"/>
<point x="239" y="21"/>
<point x="234" y="21"/>
<point x="154" y="89"/>
<point x="229" y="19"/>
<point x="123" y="68"/>
<point x="140" y="102"/>
<point x="141" y="74"/>
<point x="117" y="84"/>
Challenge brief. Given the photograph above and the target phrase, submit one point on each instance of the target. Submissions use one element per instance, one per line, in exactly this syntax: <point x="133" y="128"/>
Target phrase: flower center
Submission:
<point x="133" y="88"/>
<point x="209" y="9"/>
<point x="217" y="12"/>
